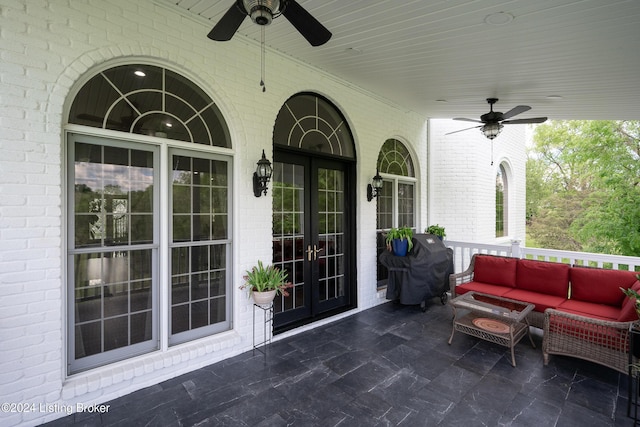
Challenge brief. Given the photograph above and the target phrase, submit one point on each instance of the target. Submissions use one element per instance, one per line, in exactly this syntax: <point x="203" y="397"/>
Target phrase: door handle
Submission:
<point x="313" y="253"/>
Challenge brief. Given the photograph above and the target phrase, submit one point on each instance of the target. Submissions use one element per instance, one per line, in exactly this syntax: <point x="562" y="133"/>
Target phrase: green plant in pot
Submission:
<point x="264" y="283"/>
<point x="400" y="240"/>
<point x="633" y="294"/>
<point x="436" y="230"/>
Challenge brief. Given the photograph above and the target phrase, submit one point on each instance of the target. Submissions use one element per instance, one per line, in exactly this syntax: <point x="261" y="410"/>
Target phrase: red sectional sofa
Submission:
<point x="581" y="310"/>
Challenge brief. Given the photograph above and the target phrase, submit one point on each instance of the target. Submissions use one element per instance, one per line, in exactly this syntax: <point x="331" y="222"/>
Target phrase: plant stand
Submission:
<point x="634" y="374"/>
<point x="267" y="317"/>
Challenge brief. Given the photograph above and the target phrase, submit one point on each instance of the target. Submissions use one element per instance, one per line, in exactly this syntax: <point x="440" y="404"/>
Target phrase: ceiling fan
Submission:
<point x="492" y="122"/>
<point x="262" y="12"/>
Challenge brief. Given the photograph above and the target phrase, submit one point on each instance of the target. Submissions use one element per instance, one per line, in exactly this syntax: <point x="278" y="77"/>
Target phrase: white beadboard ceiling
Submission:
<point x="441" y="58"/>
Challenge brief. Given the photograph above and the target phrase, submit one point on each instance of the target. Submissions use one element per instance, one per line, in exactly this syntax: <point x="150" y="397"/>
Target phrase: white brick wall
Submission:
<point x="462" y="181"/>
<point x="47" y="47"/>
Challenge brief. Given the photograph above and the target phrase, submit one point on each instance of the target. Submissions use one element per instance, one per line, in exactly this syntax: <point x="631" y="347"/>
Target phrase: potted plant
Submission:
<point x="400" y="240"/>
<point x="264" y="283"/>
<point x="635" y="296"/>
<point x="436" y="230"/>
<point x="631" y="293"/>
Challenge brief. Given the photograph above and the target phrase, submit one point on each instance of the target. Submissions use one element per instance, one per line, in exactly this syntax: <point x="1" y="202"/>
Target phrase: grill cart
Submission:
<point x="420" y="275"/>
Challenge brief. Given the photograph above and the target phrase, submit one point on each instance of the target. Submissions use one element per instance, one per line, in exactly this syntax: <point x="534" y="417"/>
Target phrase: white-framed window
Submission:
<point x="113" y="250"/>
<point x="396" y="202"/>
<point x="137" y="203"/>
<point x="502" y="202"/>
<point x="200" y="245"/>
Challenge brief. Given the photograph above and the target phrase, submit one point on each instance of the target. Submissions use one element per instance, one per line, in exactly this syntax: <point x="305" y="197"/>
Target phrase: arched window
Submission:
<point x="150" y="100"/>
<point x="502" y="199"/>
<point x="396" y="201"/>
<point x="311" y="123"/>
<point x="115" y="278"/>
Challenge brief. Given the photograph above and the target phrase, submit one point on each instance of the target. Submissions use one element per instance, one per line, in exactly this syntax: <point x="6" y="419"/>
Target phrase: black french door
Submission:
<point x="313" y="235"/>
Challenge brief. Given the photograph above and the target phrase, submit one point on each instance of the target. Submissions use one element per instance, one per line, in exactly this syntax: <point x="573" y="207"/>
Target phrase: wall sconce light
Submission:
<point x="261" y="176"/>
<point x="373" y="189"/>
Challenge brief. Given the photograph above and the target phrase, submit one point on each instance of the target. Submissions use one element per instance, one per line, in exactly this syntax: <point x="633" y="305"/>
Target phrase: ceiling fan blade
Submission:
<point x="467" y="120"/>
<point x="462" y="130"/>
<point x="525" y="121"/>
<point x="515" y="111"/>
<point x="312" y="30"/>
<point x="228" y="24"/>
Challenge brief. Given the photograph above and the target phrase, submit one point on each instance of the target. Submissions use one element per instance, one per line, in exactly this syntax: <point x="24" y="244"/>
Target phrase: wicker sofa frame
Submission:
<point x="600" y="341"/>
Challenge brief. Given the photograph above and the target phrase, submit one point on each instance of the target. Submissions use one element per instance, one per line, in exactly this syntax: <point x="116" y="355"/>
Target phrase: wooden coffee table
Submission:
<point x="495" y="319"/>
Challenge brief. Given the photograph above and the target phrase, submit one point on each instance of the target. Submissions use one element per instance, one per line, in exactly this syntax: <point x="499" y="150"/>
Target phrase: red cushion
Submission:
<point x="485" y="288"/>
<point x="600" y="285"/>
<point x="540" y="301"/>
<point x="590" y="309"/>
<point x="549" y="278"/>
<point x="628" y="311"/>
<point x="495" y="270"/>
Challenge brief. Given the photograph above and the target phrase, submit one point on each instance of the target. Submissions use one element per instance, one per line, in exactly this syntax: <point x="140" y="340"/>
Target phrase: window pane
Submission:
<point x="201" y="227"/>
<point x="406" y="205"/>
<point x="384" y="206"/>
<point x="198" y="264"/>
<point x="198" y="276"/>
<point x="106" y="186"/>
<point x="501" y="203"/>
<point x="181" y="199"/>
<point x="181" y="228"/>
<point x="141" y="229"/>
<point x="141" y="324"/>
<point x="109" y="288"/>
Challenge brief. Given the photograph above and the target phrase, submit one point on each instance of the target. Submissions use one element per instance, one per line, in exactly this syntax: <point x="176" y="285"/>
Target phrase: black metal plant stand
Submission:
<point x="267" y="317"/>
<point x="634" y="373"/>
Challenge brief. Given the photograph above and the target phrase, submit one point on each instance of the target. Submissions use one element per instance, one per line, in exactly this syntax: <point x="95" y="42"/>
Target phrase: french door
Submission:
<point x="312" y="236"/>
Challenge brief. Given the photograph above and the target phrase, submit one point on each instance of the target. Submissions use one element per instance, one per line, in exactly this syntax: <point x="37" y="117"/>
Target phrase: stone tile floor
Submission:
<point x="390" y="365"/>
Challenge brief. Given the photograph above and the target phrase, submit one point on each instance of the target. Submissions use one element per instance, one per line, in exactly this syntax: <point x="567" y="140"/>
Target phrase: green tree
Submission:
<point x="585" y="191"/>
<point x="538" y="189"/>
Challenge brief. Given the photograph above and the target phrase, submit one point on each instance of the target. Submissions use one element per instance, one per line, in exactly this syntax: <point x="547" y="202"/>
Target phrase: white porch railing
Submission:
<point x="462" y="252"/>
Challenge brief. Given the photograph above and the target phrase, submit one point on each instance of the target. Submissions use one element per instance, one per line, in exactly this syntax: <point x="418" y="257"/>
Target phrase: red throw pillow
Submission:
<point x="495" y="270"/>
<point x="551" y="278"/>
<point x="600" y="285"/>
<point x="628" y="310"/>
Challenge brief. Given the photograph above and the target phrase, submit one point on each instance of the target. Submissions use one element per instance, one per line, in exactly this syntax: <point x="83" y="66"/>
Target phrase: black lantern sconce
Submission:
<point x="261" y="176"/>
<point x="373" y="189"/>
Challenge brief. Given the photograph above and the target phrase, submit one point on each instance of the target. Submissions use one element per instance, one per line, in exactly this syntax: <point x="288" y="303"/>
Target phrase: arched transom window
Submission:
<point x="149" y="100"/>
<point x="310" y="122"/>
<point x="394" y="159"/>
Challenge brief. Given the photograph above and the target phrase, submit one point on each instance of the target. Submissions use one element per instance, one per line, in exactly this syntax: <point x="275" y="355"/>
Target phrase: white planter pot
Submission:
<point x="263" y="298"/>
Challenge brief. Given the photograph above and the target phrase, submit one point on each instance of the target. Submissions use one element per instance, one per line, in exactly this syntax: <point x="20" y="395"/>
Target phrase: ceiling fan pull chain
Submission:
<point x="262" y="54"/>
<point x="492" y="152"/>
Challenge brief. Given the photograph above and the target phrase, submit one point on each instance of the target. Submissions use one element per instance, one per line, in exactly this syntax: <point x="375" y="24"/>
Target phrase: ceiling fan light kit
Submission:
<point x="491" y="123"/>
<point x="491" y="130"/>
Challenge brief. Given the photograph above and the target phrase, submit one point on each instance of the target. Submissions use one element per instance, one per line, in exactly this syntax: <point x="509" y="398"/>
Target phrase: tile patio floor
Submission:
<point x="386" y="366"/>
